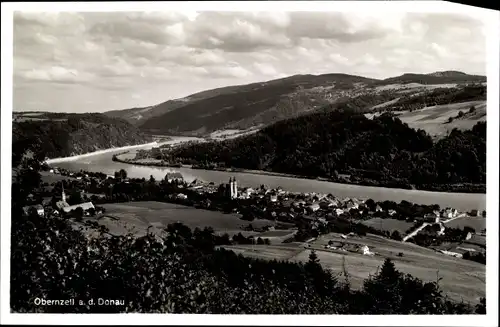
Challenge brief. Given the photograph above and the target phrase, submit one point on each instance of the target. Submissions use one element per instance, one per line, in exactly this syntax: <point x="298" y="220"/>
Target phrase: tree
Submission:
<point x="78" y="213"/>
<point x="472" y="109"/>
<point x="460" y="114"/>
<point x="121" y="174"/>
<point x="481" y="307"/>
<point x="450" y="119"/>
<point x="396" y="235"/>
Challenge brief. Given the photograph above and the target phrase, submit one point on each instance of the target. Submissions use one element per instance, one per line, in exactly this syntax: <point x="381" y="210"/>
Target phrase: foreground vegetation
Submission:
<point x="378" y="152"/>
<point x="184" y="273"/>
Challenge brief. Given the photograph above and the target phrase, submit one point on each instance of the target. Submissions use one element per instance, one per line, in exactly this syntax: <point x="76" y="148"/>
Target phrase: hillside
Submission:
<point x="60" y="134"/>
<point x="245" y="106"/>
<point x="379" y="151"/>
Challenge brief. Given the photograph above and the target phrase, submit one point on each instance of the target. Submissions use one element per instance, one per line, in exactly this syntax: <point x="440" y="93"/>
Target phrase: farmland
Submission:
<point x="388" y="224"/>
<point x="434" y="120"/>
<point x="160" y="214"/>
<point x="460" y="278"/>
<point x="478" y="223"/>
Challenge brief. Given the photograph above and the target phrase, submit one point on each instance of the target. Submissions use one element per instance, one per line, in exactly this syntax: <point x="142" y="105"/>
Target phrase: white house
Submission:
<point x="366" y="250"/>
<point x="314" y="207"/>
<point x="273" y="198"/>
<point x="339" y="211"/>
<point x="85" y="206"/>
<point x="392" y="212"/>
<point x="39" y="210"/>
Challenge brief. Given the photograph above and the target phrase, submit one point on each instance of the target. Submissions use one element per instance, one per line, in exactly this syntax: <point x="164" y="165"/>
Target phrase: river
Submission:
<point x="101" y="162"/>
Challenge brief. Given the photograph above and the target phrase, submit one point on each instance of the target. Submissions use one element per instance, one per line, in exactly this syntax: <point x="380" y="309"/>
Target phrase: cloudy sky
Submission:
<point x="81" y="62"/>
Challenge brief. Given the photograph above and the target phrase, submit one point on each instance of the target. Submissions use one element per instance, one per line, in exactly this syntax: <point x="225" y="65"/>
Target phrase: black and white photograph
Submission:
<point x="250" y="163"/>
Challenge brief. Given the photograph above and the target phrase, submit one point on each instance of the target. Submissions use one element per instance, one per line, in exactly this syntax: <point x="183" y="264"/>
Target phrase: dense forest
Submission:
<point x="379" y="151"/>
<point x="59" y="134"/>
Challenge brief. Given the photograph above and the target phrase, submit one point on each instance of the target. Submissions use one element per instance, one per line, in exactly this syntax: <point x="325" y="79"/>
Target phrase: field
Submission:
<point x="388" y="224"/>
<point x="460" y="278"/>
<point x="48" y="177"/>
<point x="478" y="223"/>
<point x="159" y="215"/>
<point x="434" y="119"/>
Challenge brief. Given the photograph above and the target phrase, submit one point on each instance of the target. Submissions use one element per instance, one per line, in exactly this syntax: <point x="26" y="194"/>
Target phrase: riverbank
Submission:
<point x="452" y="188"/>
<point x="89" y="154"/>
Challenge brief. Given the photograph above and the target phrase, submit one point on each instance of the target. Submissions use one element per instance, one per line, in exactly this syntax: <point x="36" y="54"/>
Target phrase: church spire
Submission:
<point x="63" y="195"/>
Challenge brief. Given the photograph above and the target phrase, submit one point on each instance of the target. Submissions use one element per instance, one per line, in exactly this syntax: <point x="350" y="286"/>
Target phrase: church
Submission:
<point x="231" y="189"/>
<point x="64" y="206"/>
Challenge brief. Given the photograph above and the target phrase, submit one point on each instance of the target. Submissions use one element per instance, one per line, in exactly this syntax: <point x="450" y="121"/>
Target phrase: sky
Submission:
<point x="95" y="62"/>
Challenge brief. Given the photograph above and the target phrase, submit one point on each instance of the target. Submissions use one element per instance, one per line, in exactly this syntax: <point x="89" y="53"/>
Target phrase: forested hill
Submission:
<point x="60" y="134"/>
<point x="261" y="104"/>
<point x="383" y="150"/>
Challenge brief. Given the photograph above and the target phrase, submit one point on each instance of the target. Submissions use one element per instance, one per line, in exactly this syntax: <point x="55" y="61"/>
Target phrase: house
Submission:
<point x="474" y="213"/>
<point x="314" y="207"/>
<point x="339" y="211"/>
<point x="378" y="208"/>
<point x="85" y="206"/>
<point x="38" y="207"/>
<point x="391" y="212"/>
<point x="431" y="217"/>
<point x="450" y="213"/>
<point x="351" y="204"/>
<point x="175" y="176"/>
<point x="273" y="198"/>
<point x="365" y="250"/>
<point x="182" y="196"/>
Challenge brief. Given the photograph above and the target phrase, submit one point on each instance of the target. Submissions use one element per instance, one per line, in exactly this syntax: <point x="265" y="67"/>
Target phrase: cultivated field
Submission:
<point x="434" y="120"/>
<point x="388" y="224"/>
<point x="461" y="279"/>
<point x="159" y="214"/>
<point x="478" y="223"/>
<point x="48" y="177"/>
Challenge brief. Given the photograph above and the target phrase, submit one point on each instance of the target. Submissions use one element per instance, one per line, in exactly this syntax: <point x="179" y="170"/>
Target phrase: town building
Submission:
<point x="174" y="177"/>
<point x="85" y="207"/>
<point x="38" y="207"/>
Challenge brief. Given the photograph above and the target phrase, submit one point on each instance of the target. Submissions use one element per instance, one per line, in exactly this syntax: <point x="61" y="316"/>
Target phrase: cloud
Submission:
<point x="55" y="74"/>
<point x="266" y="69"/>
<point x="128" y="59"/>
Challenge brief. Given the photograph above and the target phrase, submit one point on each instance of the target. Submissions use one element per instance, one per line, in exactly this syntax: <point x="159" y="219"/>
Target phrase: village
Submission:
<point x="292" y="217"/>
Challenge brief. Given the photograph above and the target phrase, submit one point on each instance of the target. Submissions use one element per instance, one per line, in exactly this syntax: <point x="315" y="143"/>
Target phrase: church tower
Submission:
<point x="235" y="188"/>
<point x="63" y="195"/>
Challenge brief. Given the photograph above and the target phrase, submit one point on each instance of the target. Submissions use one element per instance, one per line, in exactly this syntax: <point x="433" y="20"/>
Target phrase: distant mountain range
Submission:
<point x="261" y="104"/>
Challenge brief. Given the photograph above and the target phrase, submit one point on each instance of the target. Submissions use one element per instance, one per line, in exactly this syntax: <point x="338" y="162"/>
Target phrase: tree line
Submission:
<point x="382" y="151"/>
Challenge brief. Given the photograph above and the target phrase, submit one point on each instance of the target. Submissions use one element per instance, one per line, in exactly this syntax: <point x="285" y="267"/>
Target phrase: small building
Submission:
<point x="431" y="218"/>
<point x="85" y="206"/>
<point x="378" y="208"/>
<point x="391" y="212"/>
<point x="474" y="213"/>
<point x="182" y="196"/>
<point x="273" y="198"/>
<point x="365" y="250"/>
<point x="314" y="207"/>
<point x="175" y="176"/>
<point x="38" y="207"/>
<point x="339" y="211"/>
